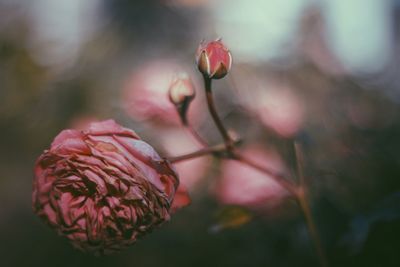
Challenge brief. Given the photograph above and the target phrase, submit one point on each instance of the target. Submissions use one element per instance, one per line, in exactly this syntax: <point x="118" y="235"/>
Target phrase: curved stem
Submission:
<point x="312" y="228"/>
<point x="211" y="107"/>
<point x="304" y="204"/>
<point x="298" y="192"/>
<point x="215" y="150"/>
<point x="181" y="110"/>
<point x="196" y="154"/>
<point x="299" y="164"/>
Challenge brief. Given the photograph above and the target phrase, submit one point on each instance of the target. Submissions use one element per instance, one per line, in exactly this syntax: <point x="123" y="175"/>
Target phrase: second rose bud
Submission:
<point x="181" y="93"/>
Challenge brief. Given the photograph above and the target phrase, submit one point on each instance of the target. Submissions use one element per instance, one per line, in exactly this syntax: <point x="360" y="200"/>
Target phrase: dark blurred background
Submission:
<point x="324" y="73"/>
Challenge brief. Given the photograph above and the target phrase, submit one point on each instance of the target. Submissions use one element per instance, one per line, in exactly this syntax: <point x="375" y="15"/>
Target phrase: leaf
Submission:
<point x="231" y="217"/>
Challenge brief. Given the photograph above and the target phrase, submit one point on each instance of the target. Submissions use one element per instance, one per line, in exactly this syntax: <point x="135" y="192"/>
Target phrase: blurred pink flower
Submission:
<point x="280" y="109"/>
<point x="145" y="94"/>
<point x="242" y="185"/>
<point x="275" y="103"/>
<point x="191" y="172"/>
<point x="104" y="187"/>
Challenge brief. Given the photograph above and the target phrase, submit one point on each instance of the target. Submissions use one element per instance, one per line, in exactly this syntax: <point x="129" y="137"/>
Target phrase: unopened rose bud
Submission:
<point x="181" y="93"/>
<point x="233" y="135"/>
<point x="104" y="187"/>
<point x="213" y="59"/>
<point x="181" y="89"/>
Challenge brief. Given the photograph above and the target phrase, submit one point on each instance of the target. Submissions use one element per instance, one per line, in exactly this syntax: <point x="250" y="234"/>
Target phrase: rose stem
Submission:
<point x="228" y="142"/>
<point x="299" y="192"/>
<point x="304" y="204"/>
<point x="195" y="134"/>
<point x="202" y="152"/>
<point x="185" y="123"/>
<point x="211" y="107"/>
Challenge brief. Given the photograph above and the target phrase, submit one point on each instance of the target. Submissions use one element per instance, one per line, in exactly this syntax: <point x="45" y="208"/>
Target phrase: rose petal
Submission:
<point x="181" y="199"/>
<point x="110" y="127"/>
<point x="68" y="142"/>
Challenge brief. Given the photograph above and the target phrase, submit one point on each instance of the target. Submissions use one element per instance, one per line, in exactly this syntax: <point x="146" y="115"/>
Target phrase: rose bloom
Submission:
<point x="243" y="185"/>
<point x="146" y="94"/>
<point x="104" y="187"/>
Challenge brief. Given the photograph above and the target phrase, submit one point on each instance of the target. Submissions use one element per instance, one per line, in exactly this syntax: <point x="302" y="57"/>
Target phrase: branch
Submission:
<point x="302" y="199"/>
<point x="211" y="107"/>
<point x="214" y="150"/>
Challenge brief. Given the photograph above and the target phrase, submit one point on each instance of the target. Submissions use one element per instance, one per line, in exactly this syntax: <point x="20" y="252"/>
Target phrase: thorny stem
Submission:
<point x="304" y="204"/>
<point x="211" y="107"/>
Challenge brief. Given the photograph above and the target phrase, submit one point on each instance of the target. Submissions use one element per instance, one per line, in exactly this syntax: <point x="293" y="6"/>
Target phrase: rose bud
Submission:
<point x="181" y="93"/>
<point x="145" y="95"/>
<point x="103" y="188"/>
<point x="213" y="59"/>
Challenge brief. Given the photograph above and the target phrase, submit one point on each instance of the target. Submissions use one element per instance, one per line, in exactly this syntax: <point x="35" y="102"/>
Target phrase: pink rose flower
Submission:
<point x="103" y="188"/>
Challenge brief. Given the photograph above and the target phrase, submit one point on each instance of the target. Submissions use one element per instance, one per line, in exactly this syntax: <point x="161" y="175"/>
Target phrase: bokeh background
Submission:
<point x="322" y="72"/>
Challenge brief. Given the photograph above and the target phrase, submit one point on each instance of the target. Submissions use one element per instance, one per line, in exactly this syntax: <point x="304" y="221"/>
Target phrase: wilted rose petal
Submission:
<point x="181" y="198"/>
<point x="242" y="185"/>
<point x="104" y="187"/>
